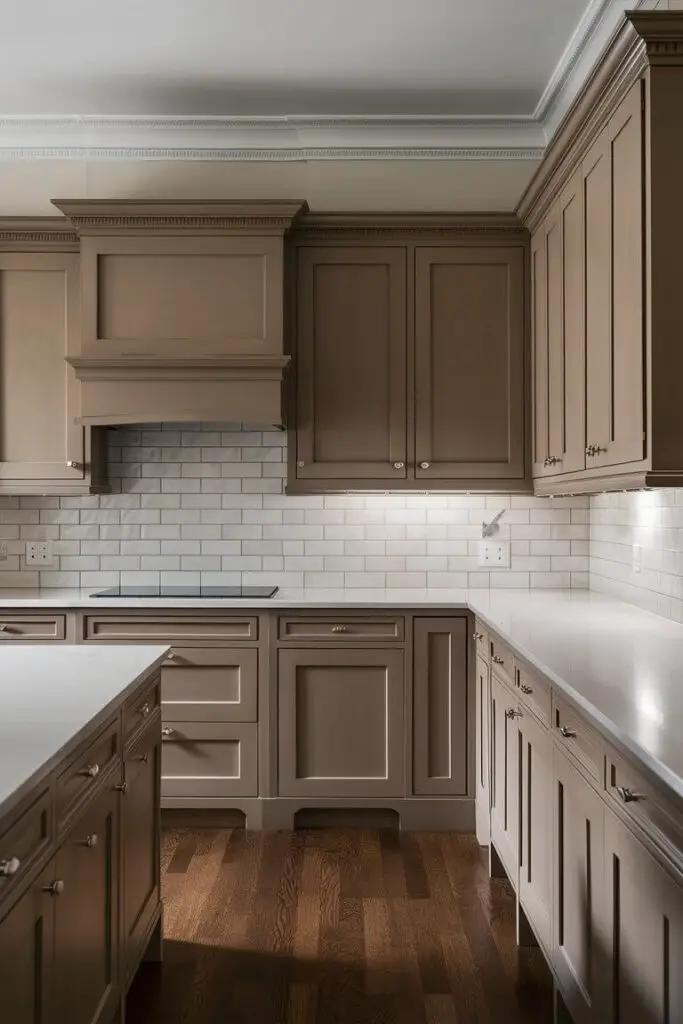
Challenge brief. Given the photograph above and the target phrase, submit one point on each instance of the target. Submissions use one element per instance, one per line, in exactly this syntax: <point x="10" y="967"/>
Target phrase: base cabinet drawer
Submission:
<point x="210" y="684"/>
<point x="340" y="723"/>
<point x="23" y="843"/>
<point x="579" y="739"/>
<point x="83" y="775"/>
<point x="202" y="759"/>
<point x="341" y="628"/>
<point x="14" y="628"/>
<point x="169" y="628"/>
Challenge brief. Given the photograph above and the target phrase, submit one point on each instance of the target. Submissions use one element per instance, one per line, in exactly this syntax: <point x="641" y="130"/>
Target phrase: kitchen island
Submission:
<point x="80" y="740"/>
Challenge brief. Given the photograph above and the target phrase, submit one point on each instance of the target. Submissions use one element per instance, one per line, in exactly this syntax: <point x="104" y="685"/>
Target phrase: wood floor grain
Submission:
<point x="336" y="927"/>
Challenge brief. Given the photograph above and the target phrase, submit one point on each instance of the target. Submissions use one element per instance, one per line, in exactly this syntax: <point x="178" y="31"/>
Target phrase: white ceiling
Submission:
<point x="277" y="57"/>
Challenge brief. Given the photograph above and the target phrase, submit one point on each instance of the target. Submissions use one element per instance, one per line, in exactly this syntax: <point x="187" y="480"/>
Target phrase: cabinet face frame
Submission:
<point x="505" y="779"/>
<point x="536" y="850"/>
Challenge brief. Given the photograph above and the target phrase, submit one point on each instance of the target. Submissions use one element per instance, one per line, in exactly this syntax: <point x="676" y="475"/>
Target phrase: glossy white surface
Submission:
<point x="51" y="695"/>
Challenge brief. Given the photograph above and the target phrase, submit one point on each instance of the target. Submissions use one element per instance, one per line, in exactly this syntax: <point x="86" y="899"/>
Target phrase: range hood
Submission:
<point x="182" y="310"/>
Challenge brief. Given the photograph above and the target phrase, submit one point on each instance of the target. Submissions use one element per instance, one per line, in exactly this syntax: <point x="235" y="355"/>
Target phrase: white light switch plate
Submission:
<point x="494" y="554"/>
<point x="39" y="552"/>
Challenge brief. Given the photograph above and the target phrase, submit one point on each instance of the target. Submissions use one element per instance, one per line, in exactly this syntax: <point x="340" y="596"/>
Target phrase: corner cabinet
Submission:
<point x="43" y="450"/>
<point x="605" y="215"/>
<point x="409" y="355"/>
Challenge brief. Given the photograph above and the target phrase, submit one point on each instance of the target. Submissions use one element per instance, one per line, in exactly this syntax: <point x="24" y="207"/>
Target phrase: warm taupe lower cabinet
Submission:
<point x="209" y="759"/>
<point x="505" y="777"/>
<point x="483" y="749"/>
<point x="536" y="851"/>
<point x="440" y="703"/>
<point x="340" y="723"/>
<point x="26" y="953"/>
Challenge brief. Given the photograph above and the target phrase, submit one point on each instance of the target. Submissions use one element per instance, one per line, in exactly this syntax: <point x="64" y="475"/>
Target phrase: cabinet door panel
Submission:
<point x="579" y="947"/>
<point x="482" y="744"/>
<point x="572" y="350"/>
<point x="26" y="951"/>
<point x="440" y="707"/>
<point x="539" y="359"/>
<point x="86" y="926"/>
<point x="536" y="869"/>
<point x="645" y="921"/>
<point x="209" y="759"/>
<point x="351" y="364"/>
<point x="340" y="715"/>
<point x="469" y="363"/>
<point x="505" y="778"/>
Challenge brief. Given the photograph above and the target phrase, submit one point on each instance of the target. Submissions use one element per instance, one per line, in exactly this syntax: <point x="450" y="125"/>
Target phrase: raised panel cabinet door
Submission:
<point x="505" y="777"/>
<point x="469" y="363"/>
<point x="571" y="349"/>
<point x="86" y="921"/>
<point x="26" y="952"/>
<point x="341" y="723"/>
<point x="483" y="750"/>
<point x="40" y="443"/>
<point x="645" y="923"/>
<point x="579" y="947"/>
<point x="539" y="352"/>
<point x="536" y="868"/>
<point x="440" y="707"/>
<point x="140" y="845"/>
<point x="351" y="364"/>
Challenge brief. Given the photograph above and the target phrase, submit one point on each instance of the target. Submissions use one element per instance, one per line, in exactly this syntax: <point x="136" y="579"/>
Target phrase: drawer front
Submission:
<point x="200" y="759"/>
<point x="342" y="628"/>
<point x="210" y="685"/>
<point x="83" y="774"/>
<point x="502" y="660"/>
<point x="31" y="627"/>
<point x="583" y="742"/>
<point x="24" y="843"/>
<point x="481" y="640"/>
<point x="139" y="709"/>
<point x="169" y="628"/>
<point x="534" y="692"/>
<point x="644" y="806"/>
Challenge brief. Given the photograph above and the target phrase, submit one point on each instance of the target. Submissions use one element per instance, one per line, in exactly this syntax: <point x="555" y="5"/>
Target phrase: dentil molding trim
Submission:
<point x="298" y="138"/>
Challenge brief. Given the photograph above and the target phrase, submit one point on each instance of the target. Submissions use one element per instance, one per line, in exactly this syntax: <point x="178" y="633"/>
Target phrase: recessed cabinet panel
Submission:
<point x="536" y="870"/>
<point x="200" y="759"/>
<point x="26" y="955"/>
<point x="210" y="685"/>
<point x="572" y="350"/>
<point x="539" y="357"/>
<point x="469" y="363"/>
<point x="340" y="715"/>
<point x="351" y="364"/>
<point x="483" y="750"/>
<point x="505" y="777"/>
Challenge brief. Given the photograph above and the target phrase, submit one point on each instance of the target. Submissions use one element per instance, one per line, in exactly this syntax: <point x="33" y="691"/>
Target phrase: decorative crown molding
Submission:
<point x="91" y="216"/>
<point x="441" y="225"/>
<point x="28" y="234"/>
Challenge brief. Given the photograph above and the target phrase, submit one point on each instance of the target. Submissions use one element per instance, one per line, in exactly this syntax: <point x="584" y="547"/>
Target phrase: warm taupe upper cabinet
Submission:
<point x="351" y="361"/>
<point x="469" y="364"/>
<point x="42" y="448"/>
<point x="605" y="215"/>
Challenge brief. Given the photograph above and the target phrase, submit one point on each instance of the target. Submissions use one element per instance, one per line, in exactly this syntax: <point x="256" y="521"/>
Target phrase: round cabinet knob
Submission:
<point x="90" y="841"/>
<point x="568" y="734"/>
<point x="301" y="464"/>
<point x="55" y="888"/>
<point x="92" y="771"/>
<point x="75" y="465"/>
<point x="552" y="460"/>
<point x="122" y="788"/>
<point x="598" y="450"/>
<point x="9" y="867"/>
<point x="424" y="465"/>
<point x="144" y="710"/>
<point x="167" y="731"/>
<point x="526" y="689"/>
<point x="512" y="713"/>
<point x="627" y="795"/>
<point x="478" y="637"/>
<point x="4" y="628"/>
<point x="498" y="660"/>
<point x="170" y="656"/>
<point x="399" y="465"/>
<point x="590" y="449"/>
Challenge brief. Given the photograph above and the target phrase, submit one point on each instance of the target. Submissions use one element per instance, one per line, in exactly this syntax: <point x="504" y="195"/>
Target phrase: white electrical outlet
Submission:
<point x="637" y="557"/>
<point x="3" y="551"/>
<point x="494" y="554"/>
<point x="39" y="552"/>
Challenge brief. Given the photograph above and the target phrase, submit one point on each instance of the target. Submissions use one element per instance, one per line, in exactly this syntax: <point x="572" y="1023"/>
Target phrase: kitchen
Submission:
<point x="347" y="528"/>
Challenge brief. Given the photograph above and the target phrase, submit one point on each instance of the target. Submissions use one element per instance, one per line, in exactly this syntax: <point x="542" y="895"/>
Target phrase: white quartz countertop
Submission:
<point x="622" y="665"/>
<point x="51" y="695"/>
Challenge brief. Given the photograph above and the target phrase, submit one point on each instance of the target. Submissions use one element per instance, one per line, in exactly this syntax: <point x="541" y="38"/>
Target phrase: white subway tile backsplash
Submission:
<point x="207" y="503"/>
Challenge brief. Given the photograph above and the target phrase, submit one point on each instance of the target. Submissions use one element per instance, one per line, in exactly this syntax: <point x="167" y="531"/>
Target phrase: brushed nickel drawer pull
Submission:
<point x="144" y="710"/>
<point x="478" y="637"/>
<point x="90" y="841"/>
<point x="628" y="796"/>
<point x="92" y="771"/>
<point x="498" y="660"/>
<point x="122" y="788"/>
<point x="513" y="713"/>
<point x="340" y="629"/>
<point x="9" y="867"/>
<point x="55" y="888"/>
<point x="167" y="731"/>
<point x="568" y="734"/>
<point x="526" y="689"/>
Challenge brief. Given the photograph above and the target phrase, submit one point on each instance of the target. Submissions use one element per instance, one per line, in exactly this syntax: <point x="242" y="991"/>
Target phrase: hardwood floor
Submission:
<point x="337" y="927"/>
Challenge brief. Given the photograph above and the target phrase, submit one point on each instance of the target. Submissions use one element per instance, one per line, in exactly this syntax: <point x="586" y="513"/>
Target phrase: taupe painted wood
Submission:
<point x="139" y="710"/>
<point x="536" y="848"/>
<point x="351" y="364"/>
<point x="341" y="629"/>
<point x="556" y="410"/>
<point x="505" y="778"/>
<point x="482" y="750"/>
<point x="440" y="707"/>
<point x="578" y="738"/>
<point x="579" y="946"/>
<point x="645" y="920"/>
<point x="14" y="628"/>
<point x="212" y="684"/>
<point x="534" y="691"/>
<point x="86" y="919"/>
<point x="539" y="357"/>
<point x="76" y="783"/>
<point x="340" y="723"/>
<point x="573" y="344"/>
<point x="26" y="955"/>
<point x="147" y="626"/>
<point x="502" y="660"/>
<point x="26" y="835"/>
<point x="469" y="331"/>
<point x="209" y="760"/>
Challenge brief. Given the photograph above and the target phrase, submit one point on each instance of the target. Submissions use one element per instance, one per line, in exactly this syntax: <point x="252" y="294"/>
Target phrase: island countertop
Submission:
<point x="51" y="695"/>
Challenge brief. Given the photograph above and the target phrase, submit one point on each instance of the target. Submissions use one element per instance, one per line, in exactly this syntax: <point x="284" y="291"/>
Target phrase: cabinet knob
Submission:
<point x="92" y="771"/>
<point x="144" y="710"/>
<point x="478" y="637"/>
<point x="167" y="731"/>
<point x="90" y="841"/>
<point x="526" y="689"/>
<point x="399" y="465"/>
<point x="568" y="734"/>
<point x="340" y="629"/>
<point x="498" y="660"/>
<point x="552" y="460"/>
<point x="122" y="788"/>
<point x="590" y="449"/>
<point x="595" y="449"/>
<point x="143" y="758"/>
<point x="627" y="795"/>
<point x="4" y="628"/>
<point x="424" y="465"/>
<point x="301" y="464"/>
<point x="75" y="465"/>
<point x="55" y="888"/>
<point x="512" y="713"/>
<point x="9" y="867"/>
<point x="170" y="656"/>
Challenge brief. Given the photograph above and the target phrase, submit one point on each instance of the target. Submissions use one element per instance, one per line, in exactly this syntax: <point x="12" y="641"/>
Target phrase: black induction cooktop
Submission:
<point x="240" y="593"/>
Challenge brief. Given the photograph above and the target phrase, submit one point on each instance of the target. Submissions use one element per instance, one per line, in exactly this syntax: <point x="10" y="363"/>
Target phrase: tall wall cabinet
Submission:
<point x="409" y="348"/>
<point x="606" y="219"/>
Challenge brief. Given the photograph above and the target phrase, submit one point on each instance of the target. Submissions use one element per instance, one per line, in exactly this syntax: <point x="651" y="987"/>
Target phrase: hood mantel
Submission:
<point x="182" y="309"/>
